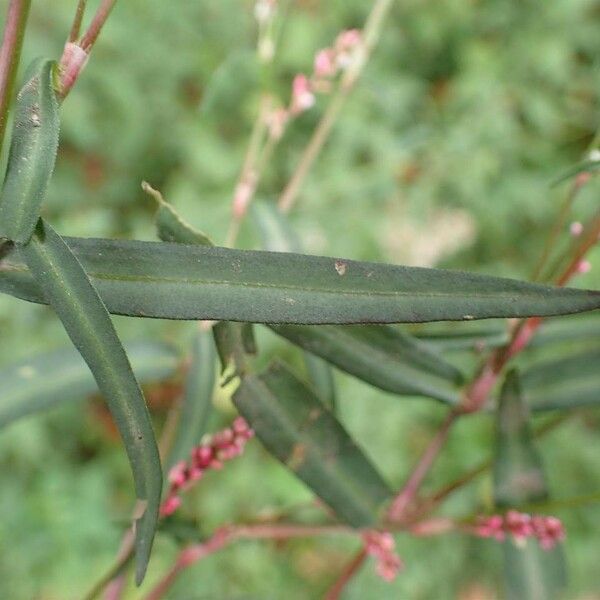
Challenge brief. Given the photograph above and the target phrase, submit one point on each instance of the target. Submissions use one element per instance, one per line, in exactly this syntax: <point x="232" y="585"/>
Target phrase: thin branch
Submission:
<point x="10" y="54"/>
<point x="371" y="34"/>
<point x="77" y="19"/>
<point x="351" y="569"/>
<point x="405" y="497"/>
<point x="226" y="535"/>
<point x="91" y="35"/>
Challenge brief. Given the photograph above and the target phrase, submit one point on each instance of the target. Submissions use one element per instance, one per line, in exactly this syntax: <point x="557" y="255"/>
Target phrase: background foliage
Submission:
<point x="444" y="156"/>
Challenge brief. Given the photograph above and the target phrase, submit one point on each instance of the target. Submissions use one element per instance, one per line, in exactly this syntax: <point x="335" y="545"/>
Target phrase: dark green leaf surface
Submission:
<point x="564" y="383"/>
<point x="197" y="398"/>
<point x="88" y="324"/>
<point x="171" y="227"/>
<point x="44" y="381"/>
<point x="380" y="355"/>
<point x="177" y="281"/>
<point x="531" y="573"/>
<point x="296" y="428"/>
<point x="320" y="376"/>
<point x="32" y="153"/>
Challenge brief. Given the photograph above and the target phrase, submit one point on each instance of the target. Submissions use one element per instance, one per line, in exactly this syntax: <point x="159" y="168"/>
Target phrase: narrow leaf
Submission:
<point x="564" y="383"/>
<point x="170" y="226"/>
<point x="320" y="376"/>
<point x="298" y="430"/>
<point x="177" y="281"/>
<point x="32" y="152"/>
<point x="531" y="573"/>
<point x="47" y="380"/>
<point x="197" y="398"/>
<point x="88" y="324"/>
<point x="381" y="356"/>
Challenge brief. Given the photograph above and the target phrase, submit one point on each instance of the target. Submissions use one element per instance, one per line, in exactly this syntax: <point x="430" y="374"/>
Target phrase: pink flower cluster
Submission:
<point x="328" y="63"/>
<point x="548" y="530"/>
<point x="382" y="547"/>
<point x="221" y="447"/>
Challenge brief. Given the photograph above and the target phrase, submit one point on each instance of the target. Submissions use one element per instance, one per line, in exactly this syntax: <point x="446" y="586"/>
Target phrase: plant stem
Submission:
<point x="351" y="569"/>
<point x="10" y="54"/>
<point x="91" y="35"/>
<point x="226" y="535"/>
<point x="477" y="393"/>
<point x="371" y="33"/>
<point x="407" y="494"/>
<point x="77" y="19"/>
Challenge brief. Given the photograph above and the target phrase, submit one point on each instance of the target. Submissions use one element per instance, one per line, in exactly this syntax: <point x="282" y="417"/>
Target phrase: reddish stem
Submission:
<point x="226" y="535"/>
<point x="10" y="53"/>
<point x="93" y="31"/>
<point x="405" y="497"/>
<point x="77" y="19"/>
<point x="350" y="570"/>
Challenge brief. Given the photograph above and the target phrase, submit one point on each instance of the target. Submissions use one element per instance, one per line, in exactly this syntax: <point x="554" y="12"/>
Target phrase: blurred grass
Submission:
<point x="443" y="156"/>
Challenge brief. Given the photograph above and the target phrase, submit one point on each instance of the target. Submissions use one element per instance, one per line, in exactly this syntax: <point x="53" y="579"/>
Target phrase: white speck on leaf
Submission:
<point x="341" y="267"/>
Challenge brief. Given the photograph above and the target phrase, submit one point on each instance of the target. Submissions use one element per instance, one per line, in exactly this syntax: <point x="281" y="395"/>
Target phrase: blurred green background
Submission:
<point x="444" y="156"/>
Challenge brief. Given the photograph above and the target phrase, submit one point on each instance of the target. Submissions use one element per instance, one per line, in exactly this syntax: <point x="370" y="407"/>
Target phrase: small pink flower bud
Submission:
<point x="302" y="96"/>
<point x="348" y="39"/>
<point x="325" y="65"/>
<point x="170" y="505"/>
<point x="178" y="474"/>
<point x="584" y="266"/>
<point x="576" y="228"/>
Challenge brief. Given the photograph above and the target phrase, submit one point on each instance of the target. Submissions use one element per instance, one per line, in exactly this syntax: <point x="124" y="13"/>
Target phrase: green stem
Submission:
<point x="10" y="54"/>
<point x="76" y="27"/>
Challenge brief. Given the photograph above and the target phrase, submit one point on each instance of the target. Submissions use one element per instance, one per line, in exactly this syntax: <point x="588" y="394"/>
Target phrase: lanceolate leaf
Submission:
<point x="277" y="235"/>
<point x="297" y="429"/>
<point x="380" y="355"/>
<point x="32" y="153"/>
<point x="564" y="383"/>
<point x="177" y="281"/>
<point x="531" y="573"/>
<point x="171" y="227"/>
<point x="197" y="398"/>
<point x="88" y="324"/>
<point x="320" y="376"/>
<point x="44" y="381"/>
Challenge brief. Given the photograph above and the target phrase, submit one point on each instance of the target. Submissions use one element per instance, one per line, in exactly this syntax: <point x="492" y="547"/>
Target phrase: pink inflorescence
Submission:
<point x="328" y="63"/>
<point x="546" y="529"/>
<point x="221" y="447"/>
<point x="381" y="546"/>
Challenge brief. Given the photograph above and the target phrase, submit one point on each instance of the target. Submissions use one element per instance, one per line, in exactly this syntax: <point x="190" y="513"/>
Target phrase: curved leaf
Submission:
<point x="564" y="383"/>
<point x="177" y="281"/>
<point x="298" y="430"/>
<point x="530" y="573"/>
<point x="32" y="153"/>
<point x="197" y="398"/>
<point x="88" y="324"/>
<point x="46" y="380"/>
<point x="380" y="355"/>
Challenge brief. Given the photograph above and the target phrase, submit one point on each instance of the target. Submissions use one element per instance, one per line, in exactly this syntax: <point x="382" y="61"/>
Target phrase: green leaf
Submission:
<point x="320" y="376"/>
<point x="297" y="429"/>
<point x="381" y="356"/>
<point x="197" y="398"/>
<point x="177" y="281"/>
<point x="41" y="382"/>
<point x="531" y="573"/>
<point x="86" y="320"/>
<point x="461" y="336"/>
<point x="564" y="383"/>
<point x="32" y="153"/>
<point x="170" y="226"/>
